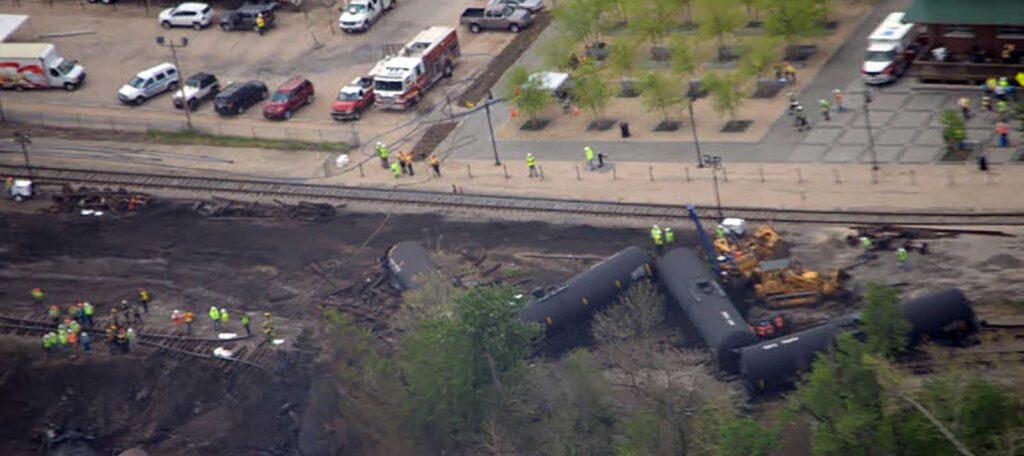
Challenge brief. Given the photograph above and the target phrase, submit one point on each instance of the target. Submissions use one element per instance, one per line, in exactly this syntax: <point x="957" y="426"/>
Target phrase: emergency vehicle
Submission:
<point x="400" y="80"/>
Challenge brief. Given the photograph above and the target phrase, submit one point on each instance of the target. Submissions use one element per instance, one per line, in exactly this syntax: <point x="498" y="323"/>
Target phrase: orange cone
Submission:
<point x="575" y="110"/>
<point x="513" y="112"/>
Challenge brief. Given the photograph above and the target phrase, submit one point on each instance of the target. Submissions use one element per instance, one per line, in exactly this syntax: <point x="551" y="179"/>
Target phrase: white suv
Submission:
<point x="195" y="15"/>
<point x="149" y="83"/>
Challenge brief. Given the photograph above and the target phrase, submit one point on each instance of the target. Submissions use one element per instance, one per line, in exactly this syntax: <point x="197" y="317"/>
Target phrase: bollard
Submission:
<point x="835" y="176"/>
<point x="760" y="169"/>
<point x="913" y="177"/>
<point x="578" y="172"/>
<point x="505" y="168"/>
<point x="650" y="171"/>
<point x="725" y="176"/>
<point x="361" y="174"/>
<point x="615" y="175"/>
<point x="469" y="172"/>
<point x="874" y="176"/>
<point x="687" y="174"/>
<point x="799" y="176"/>
<point x="540" y="171"/>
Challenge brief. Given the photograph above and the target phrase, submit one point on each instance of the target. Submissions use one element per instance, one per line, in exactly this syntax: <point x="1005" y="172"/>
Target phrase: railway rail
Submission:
<point x="165" y="344"/>
<point x="269" y="188"/>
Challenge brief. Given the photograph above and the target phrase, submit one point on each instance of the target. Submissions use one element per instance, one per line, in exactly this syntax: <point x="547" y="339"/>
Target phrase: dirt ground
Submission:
<point x="123" y="44"/>
<point x="292" y="268"/>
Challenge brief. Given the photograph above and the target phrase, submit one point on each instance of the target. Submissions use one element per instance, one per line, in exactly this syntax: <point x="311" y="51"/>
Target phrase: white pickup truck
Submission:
<point x="358" y="15"/>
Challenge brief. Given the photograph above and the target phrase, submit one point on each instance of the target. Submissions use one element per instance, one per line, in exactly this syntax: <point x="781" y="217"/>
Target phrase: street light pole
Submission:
<point x="494" y="144"/>
<point x="160" y="40"/>
<point x="24" y="139"/>
<point x="693" y="125"/>
<point x="867" y="124"/>
<point x="715" y="162"/>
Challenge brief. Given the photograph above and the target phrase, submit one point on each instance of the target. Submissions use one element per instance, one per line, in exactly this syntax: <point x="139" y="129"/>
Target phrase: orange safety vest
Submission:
<point x="1001" y="128"/>
<point x="72" y="338"/>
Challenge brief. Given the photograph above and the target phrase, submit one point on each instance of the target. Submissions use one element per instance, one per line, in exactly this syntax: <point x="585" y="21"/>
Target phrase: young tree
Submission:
<point x="726" y="96"/>
<point x="635" y="313"/>
<point x="655" y="22"/>
<point x="791" y="19"/>
<point x="687" y="6"/>
<point x="581" y="19"/>
<point x="953" y="129"/>
<point x="433" y="299"/>
<point x="639" y="435"/>
<point x="754" y="8"/>
<point x="759" y="57"/>
<point x="662" y="93"/>
<point x="882" y="321"/>
<point x="558" y="52"/>
<point x="623" y="59"/>
<point x="532" y="99"/>
<point x="719" y="20"/>
<point x="684" y="62"/>
<point x="722" y="432"/>
<point x="591" y="91"/>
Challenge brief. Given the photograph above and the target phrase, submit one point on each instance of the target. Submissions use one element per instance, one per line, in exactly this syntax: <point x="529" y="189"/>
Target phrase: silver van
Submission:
<point x="149" y="83"/>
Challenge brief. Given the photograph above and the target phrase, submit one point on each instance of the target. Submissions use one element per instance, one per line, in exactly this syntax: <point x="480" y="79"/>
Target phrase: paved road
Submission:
<point x="904" y="123"/>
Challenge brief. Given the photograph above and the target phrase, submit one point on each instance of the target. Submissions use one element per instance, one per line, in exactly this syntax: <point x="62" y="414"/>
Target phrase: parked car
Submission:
<point x="244" y="18"/>
<point x="197" y="88"/>
<point x="353" y="99"/>
<point x="358" y="15"/>
<point x="496" y="18"/>
<point x="292" y="95"/>
<point x="533" y="6"/>
<point x="189" y="14"/>
<point x="239" y="96"/>
<point x="149" y="83"/>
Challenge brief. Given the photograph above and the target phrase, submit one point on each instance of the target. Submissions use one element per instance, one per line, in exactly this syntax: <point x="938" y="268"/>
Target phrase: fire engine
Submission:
<point x="400" y="80"/>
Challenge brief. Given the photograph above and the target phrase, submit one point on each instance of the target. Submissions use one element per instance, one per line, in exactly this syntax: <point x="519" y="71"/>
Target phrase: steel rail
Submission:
<point x="503" y="203"/>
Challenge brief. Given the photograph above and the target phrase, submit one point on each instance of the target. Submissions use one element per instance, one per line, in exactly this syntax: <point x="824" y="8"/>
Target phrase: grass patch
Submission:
<point x="514" y="273"/>
<point x="192" y="137"/>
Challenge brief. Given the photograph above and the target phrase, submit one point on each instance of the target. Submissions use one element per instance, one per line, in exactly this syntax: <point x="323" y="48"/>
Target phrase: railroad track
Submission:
<point x="163" y="343"/>
<point x="205" y="186"/>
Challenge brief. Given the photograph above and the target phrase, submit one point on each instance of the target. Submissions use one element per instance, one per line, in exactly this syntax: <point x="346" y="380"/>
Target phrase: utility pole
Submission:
<point x="490" y="126"/>
<point x="715" y="162"/>
<point x="160" y="40"/>
<point x="693" y="125"/>
<point x="24" y="139"/>
<point x="867" y="125"/>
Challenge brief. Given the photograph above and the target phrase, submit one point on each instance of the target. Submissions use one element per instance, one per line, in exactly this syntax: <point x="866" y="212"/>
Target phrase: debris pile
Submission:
<point x="88" y="200"/>
<point x="225" y="209"/>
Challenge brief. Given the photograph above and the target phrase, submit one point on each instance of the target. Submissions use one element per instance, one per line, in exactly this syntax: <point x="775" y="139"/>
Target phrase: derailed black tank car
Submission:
<point x="687" y="279"/>
<point x="405" y="261"/>
<point x="939" y="314"/>
<point x="589" y="291"/>
<point x="774" y="364"/>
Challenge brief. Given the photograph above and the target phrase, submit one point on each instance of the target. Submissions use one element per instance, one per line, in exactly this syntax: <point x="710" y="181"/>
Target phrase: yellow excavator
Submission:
<point x="784" y="283"/>
<point x="747" y="253"/>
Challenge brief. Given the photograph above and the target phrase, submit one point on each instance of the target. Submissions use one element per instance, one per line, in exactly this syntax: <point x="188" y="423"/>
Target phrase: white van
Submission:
<point x="149" y="83"/>
<point x="890" y="50"/>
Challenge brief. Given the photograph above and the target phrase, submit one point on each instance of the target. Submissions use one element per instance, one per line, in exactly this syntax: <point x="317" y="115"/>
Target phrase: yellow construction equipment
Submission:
<point x="784" y="283"/>
<point x="747" y="253"/>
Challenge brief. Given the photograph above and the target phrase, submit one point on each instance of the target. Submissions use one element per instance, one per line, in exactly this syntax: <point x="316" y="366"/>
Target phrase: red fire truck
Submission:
<point x="400" y="80"/>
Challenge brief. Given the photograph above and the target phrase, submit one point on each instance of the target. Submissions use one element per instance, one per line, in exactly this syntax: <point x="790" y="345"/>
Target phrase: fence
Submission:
<point x="345" y="133"/>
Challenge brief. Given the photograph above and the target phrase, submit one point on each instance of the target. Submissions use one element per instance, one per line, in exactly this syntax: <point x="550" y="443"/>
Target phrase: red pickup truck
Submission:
<point x="353" y="99"/>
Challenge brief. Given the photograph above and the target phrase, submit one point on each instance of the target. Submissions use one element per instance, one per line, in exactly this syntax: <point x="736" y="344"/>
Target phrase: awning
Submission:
<point x="965" y="12"/>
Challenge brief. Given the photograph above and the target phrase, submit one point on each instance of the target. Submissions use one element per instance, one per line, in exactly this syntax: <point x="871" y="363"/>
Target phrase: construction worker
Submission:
<point x="188" y="317"/>
<point x="246" y="320"/>
<point x="224" y="317"/>
<point x="261" y="23"/>
<point x="144" y="298"/>
<point x="801" y="119"/>
<point x="1020" y="78"/>
<point x="588" y="154"/>
<point x="74" y="311"/>
<point x="401" y="162"/>
<point x="1001" y="109"/>
<point x="88" y="311"/>
<point x="72" y="340"/>
<point x="382" y="152"/>
<point x="37" y="295"/>
<point x="86" y="342"/>
<point x="793" y="103"/>
<point x="122" y="340"/>
<point x="176" y="317"/>
<point x="986" y="103"/>
<point x="47" y="342"/>
<point x="825" y="109"/>
<point x="136" y="311"/>
<point x="436" y="165"/>
<point x="990" y="85"/>
<point x="789" y="71"/>
<point x="62" y="339"/>
<point x="656" y="237"/>
<point x="54" y="313"/>
<point x="670" y="237"/>
<point x="268" y="326"/>
<point x="1000" y="92"/>
<point x="215" y="318"/>
<point x="901" y="258"/>
<point x="8" y="184"/>
<point x="531" y="163"/>
<point x="965" y="107"/>
<point x="838" y="96"/>
<point x="865" y="242"/>
<point x="719" y="232"/>
<point x="397" y="169"/>
<point x="407" y="159"/>
<point x="74" y="327"/>
<point x="1003" y="131"/>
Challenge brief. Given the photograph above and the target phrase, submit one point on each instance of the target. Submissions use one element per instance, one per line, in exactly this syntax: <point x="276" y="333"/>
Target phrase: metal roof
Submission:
<point x="988" y="12"/>
<point x="10" y="23"/>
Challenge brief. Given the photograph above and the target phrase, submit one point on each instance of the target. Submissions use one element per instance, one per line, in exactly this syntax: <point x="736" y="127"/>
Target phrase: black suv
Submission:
<point x="239" y="96"/>
<point x="244" y="18"/>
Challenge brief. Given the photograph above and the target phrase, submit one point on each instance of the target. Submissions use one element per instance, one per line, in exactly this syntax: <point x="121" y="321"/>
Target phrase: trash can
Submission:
<point x="982" y="163"/>
<point x="624" y="129"/>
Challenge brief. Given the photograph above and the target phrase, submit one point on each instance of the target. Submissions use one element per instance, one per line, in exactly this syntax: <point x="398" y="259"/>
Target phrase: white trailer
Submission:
<point x="889" y="51"/>
<point x="37" y="66"/>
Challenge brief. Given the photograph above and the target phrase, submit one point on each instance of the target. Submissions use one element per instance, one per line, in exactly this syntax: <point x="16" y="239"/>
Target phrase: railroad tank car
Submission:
<point x="693" y="287"/>
<point x="937" y="314"/>
<point x="405" y="261"/>
<point x="774" y="364"/>
<point x="589" y="291"/>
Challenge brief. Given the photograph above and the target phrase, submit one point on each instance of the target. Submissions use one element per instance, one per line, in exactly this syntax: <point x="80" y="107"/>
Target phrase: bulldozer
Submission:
<point x="784" y="283"/>
<point x="742" y="255"/>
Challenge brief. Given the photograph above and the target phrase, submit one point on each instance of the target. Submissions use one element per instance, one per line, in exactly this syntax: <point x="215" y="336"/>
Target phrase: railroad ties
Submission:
<point x="502" y="203"/>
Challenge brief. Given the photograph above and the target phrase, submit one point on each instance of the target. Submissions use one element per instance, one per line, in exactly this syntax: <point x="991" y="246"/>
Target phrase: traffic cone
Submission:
<point x="575" y="110"/>
<point x="513" y="112"/>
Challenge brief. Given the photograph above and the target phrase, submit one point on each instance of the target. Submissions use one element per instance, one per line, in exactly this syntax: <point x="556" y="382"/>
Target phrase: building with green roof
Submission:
<point x="975" y="31"/>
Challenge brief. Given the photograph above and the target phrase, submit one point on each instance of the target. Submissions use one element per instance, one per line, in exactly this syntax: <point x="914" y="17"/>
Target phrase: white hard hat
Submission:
<point x="213" y="307"/>
<point x="223" y="309"/>
<point x="835" y="90"/>
<point x="668" y="229"/>
<point x="821" y="100"/>
<point x="655" y="226"/>
<point x="800" y="108"/>
<point x="529" y="155"/>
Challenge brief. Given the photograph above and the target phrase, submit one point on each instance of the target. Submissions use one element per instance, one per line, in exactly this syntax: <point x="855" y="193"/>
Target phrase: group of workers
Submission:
<point x="796" y="109"/>
<point x="404" y="164"/>
<point x="1002" y="90"/>
<point x="70" y="326"/>
<point x="663" y="238"/>
<point x="902" y="254"/>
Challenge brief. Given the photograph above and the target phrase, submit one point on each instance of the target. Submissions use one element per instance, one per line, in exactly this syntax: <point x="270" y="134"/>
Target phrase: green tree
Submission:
<point x="953" y="129"/>
<point x="581" y="19"/>
<point x="719" y="20"/>
<point x="754" y="8"/>
<point x="883" y="322"/>
<point x="591" y="91"/>
<point x="623" y="59"/>
<point x="639" y="435"/>
<point x="684" y="62"/>
<point x="722" y="432"/>
<point x="655" y="22"/>
<point x="532" y="99"/>
<point x="726" y="96"/>
<point x="557" y="52"/>
<point x="791" y="19"/>
<point x="759" y="57"/>
<point x="433" y="299"/>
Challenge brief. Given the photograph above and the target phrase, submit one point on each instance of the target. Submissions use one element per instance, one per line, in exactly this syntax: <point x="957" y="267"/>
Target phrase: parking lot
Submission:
<point x="118" y="43"/>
